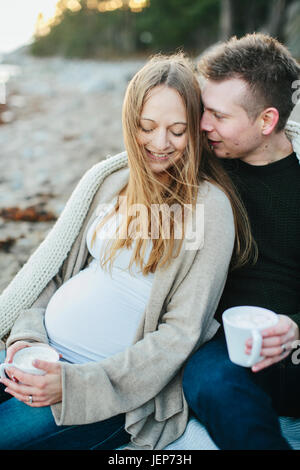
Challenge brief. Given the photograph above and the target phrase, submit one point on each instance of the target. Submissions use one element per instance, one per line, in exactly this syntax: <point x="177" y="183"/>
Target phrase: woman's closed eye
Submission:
<point x="146" y="130"/>
<point x="178" y="134"/>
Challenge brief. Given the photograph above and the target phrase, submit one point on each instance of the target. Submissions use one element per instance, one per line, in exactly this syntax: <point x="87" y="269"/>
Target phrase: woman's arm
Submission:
<point x="29" y="326"/>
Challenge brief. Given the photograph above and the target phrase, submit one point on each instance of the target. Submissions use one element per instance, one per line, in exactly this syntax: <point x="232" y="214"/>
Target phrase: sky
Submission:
<point x="17" y="21"/>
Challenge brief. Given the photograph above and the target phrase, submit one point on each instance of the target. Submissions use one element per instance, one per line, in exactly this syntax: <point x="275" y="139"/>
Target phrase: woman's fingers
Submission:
<point x="23" y="391"/>
<point x="25" y="397"/>
<point x="45" y="389"/>
<point x="11" y="350"/>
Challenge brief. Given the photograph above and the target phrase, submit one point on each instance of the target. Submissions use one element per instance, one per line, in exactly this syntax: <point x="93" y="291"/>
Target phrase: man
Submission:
<point x="247" y="98"/>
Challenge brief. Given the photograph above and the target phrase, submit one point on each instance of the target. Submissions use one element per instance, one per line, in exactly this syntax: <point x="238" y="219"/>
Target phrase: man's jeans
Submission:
<point x="240" y="408"/>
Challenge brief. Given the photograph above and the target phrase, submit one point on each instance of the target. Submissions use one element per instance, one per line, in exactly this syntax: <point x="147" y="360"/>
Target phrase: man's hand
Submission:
<point x="277" y="342"/>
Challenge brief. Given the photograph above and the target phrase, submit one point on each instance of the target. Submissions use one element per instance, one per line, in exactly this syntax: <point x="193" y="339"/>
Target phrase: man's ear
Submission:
<point x="269" y="119"/>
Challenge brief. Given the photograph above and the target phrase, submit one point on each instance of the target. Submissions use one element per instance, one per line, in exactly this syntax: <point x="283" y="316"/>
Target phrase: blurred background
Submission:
<point x="64" y="67"/>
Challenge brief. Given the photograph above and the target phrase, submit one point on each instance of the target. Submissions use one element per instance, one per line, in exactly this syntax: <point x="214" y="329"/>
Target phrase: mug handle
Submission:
<point x="256" y="347"/>
<point x="4" y="366"/>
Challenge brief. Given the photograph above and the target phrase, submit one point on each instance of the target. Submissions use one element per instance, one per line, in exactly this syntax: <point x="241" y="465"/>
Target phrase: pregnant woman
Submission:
<point x="124" y="287"/>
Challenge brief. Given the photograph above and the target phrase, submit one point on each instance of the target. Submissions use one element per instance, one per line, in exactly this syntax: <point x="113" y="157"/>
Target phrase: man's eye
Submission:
<point x="218" y="116"/>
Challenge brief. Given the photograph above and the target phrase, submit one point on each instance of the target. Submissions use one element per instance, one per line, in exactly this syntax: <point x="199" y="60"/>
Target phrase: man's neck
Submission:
<point x="275" y="148"/>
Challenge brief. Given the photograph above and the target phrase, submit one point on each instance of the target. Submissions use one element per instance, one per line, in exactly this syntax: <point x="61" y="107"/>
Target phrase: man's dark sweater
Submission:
<point x="271" y="195"/>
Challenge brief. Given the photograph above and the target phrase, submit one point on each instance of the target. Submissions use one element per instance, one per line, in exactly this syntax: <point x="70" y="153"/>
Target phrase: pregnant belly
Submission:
<point x="94" y="314"/>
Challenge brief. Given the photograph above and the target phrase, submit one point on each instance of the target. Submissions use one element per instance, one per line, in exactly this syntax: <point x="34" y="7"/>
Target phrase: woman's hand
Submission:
<point x="11" y="350"/>
<point x="277" y="342"/>
<point x="45" y="389"/>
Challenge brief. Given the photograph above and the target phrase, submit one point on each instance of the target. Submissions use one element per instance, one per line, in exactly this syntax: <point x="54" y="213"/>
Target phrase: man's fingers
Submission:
<point x="269" y="361"/>
<point x="281" y="328"/>
<point x="274" y="346"/>
<point x="276" y="341"/>
<point x="277" y="350"/>
<point x="23" y="377"/>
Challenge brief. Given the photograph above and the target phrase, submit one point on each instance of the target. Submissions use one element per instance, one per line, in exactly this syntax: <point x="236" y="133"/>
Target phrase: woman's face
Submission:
<point x="163" y="128"/>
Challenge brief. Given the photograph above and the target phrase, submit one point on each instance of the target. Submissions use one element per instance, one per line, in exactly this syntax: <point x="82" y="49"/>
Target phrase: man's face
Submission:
<point x="230" y="132"/>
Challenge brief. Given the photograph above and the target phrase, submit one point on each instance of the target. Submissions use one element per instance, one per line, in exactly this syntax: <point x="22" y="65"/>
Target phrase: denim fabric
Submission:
<point x="23" y="427"/>
<point x="240" y="408"/>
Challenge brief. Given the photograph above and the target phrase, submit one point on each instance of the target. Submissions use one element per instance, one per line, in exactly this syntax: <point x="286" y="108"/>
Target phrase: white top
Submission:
<point x="95" y="314"/>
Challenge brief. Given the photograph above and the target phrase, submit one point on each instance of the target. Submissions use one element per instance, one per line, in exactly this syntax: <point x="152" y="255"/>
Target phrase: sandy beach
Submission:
<point x="60" y="118"/>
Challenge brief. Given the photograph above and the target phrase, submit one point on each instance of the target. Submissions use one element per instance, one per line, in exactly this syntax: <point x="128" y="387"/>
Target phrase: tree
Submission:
<point x="239" y="18"/>
<point x="226" y="20"/>
<point x="164" y="26"/>
<point x="292" y="29"/>
<point x="187" y="24"/>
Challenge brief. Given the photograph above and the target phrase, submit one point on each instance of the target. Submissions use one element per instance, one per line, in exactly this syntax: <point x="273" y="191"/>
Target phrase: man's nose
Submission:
<point x="205" y="123"/>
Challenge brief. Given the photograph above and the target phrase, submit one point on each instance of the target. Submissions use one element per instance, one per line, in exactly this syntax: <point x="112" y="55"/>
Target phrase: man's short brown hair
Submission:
<point x="264" y="64"/>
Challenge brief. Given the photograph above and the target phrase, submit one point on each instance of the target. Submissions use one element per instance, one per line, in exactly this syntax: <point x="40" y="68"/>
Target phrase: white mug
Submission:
<point x="23" y="359"/>
<point x="240" y="324"/>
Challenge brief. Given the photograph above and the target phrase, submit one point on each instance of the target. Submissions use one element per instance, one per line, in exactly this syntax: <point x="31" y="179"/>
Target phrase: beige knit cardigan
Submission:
<point x="144" y="380"/>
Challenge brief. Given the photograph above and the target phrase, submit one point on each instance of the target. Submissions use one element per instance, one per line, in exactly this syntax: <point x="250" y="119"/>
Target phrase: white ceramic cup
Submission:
<point x="24" y="357"/>
<point x="240" y="324"/>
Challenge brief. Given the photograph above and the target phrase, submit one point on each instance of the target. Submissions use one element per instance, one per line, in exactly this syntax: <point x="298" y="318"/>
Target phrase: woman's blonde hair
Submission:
<point x="196" y="165"/>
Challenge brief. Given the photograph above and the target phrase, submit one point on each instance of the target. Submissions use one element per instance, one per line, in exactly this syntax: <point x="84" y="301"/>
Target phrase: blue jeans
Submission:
<point x="23" y="427"/>
<point x="240" y="408"/>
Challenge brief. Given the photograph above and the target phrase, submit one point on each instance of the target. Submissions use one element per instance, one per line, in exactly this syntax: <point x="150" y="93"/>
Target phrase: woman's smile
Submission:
<point x="159" y="156"/>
